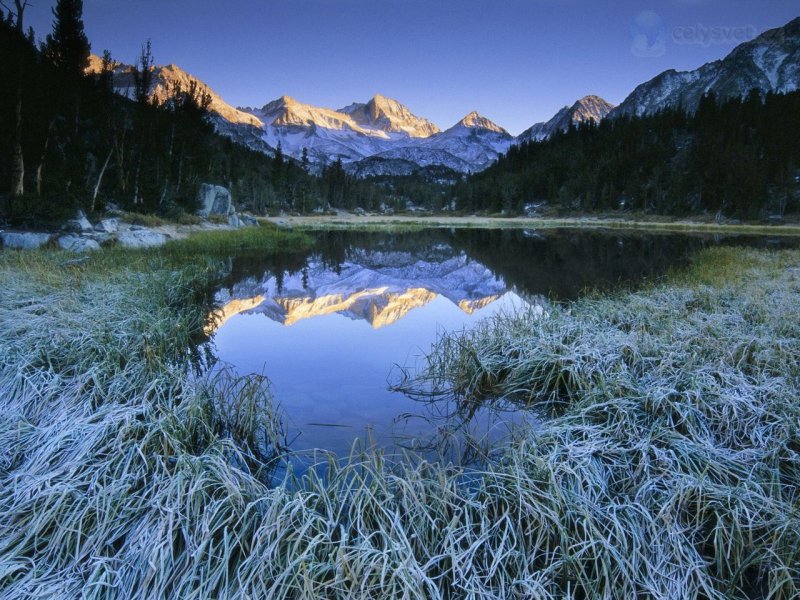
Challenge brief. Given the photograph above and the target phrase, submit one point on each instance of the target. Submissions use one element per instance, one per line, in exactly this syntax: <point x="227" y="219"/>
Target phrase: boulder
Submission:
<point x="233" y="221"/>
<point x="141" y="238"/>
<point x="80" y="222"/>
<point x="107" y="226"/>
<point x="214" y="200"/>
<point x="102" y="237"/>
<point x="248" y="220"/>
<point x="25" y="240"/>
<point x="75" y="243"/>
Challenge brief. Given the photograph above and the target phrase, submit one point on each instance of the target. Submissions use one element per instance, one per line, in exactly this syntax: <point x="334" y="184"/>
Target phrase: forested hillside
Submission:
<point x="740" y="158"/>
<point x="67" y="141"/>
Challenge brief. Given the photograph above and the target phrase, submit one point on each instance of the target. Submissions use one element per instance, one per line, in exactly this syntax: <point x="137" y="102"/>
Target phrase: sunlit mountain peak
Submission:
<point x="475" y="120"/>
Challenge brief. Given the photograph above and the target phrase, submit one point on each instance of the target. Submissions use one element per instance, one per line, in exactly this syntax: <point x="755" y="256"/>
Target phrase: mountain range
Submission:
<point x="383" y="137"/>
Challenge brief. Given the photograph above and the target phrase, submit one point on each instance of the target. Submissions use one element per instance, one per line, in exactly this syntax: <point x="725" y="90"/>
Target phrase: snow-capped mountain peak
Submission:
<point x="389" y="115"/>
<point x="394" y="139"/>
<point x="289" y="112"/>
<point x="589" y="108"/>
<point x="475" y="120"/>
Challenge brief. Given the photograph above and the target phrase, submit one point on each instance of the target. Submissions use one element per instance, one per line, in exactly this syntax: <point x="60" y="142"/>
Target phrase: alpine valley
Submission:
<point x="384" y="137"/>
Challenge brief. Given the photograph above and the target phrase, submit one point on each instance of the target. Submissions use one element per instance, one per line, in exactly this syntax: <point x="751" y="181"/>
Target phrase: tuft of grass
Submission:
<point x="670" y="469"/>
<point x="266" y="239"/>
<point x="143" y="219"/>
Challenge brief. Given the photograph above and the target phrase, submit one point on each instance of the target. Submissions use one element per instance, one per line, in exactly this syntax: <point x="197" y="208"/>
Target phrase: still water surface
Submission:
<point x="333" y="329"/>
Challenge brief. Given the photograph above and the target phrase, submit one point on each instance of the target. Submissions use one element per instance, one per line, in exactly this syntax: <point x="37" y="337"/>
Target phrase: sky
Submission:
<point x="516" y="62"/>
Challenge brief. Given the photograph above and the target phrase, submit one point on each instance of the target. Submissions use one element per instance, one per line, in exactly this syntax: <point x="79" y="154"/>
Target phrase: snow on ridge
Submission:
<point x="769" y="63"/>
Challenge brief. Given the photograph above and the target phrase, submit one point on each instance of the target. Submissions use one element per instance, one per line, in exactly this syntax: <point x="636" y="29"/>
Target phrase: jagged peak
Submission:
<point x="286" y="100"/>
<point x="381" y="99"/>
<point x="591" y="107"/>
<point x="475" y="120"/>
<point x="389" y="115"/>
<point x="280" y="103"/>
<point x="593" y="99"/>
<point x="383" y="104"/>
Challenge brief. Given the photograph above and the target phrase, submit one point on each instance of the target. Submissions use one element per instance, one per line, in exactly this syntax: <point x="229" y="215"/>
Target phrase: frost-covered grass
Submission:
<point x="674" y="442"/>
<point x="670" y="468"/>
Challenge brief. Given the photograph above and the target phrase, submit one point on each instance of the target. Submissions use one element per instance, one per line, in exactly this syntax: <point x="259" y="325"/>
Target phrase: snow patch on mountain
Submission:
<point x="769" y="63"/>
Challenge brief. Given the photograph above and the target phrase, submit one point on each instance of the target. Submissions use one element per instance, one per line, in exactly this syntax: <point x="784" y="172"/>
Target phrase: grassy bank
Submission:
<point x="632" y="223"/>
<point x="669" y="470"/>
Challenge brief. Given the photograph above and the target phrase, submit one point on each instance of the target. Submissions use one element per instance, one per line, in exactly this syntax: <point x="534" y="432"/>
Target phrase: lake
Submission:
<point x="334" y="329"/>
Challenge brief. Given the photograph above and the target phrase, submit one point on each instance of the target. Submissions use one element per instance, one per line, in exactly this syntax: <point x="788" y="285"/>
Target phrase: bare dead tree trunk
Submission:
<point x="40" y="166"/>
<point x="100" y="179"/>
<point x="136" y="199"/>
<point x="119" y="151"/>
<point x="17" y="158"/>
<point x="180" y="174"/>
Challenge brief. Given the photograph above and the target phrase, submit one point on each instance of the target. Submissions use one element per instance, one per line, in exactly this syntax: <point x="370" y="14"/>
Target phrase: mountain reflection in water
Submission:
<point x="330" y="329"/>
<point x="379" y="288"/>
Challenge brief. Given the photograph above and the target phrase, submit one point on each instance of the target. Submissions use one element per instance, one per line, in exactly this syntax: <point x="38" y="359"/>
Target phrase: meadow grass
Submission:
<point x="637" y="223"/>
<point x="668" y="469"/>
<point x="266" y="239"/>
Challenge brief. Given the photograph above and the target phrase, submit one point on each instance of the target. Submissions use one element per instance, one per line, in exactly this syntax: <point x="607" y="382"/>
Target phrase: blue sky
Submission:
<point x="514" y="61"/>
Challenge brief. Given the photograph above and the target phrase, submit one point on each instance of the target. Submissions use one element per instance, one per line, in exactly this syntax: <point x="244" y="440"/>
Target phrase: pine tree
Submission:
<point x="68" y="47"/>
<point x="143" y="74"/>
<point x="304" y="159"/>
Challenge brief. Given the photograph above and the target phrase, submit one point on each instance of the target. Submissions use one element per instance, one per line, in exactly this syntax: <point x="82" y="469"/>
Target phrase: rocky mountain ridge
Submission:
<point x="769" y="63"/>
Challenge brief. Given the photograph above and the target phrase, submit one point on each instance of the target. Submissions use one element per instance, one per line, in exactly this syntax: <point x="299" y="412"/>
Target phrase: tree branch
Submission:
<point x="21" y="5"/>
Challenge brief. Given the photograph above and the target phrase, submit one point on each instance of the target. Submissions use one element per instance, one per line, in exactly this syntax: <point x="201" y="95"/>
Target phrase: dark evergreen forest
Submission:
<point x="739" y="158"/>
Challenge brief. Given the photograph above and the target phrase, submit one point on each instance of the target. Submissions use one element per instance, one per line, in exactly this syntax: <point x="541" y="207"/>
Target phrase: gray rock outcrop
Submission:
<point x="248" y="220"/>
<point x="25" y="240"/>
<point x="107" y="226"/>
<point x="214" y="200"/>
<point x="80" y="222"/>
<point x="74" y="243"/>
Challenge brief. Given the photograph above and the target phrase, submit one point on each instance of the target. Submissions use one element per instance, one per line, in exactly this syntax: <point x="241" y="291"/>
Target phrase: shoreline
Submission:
<point x="350" y="221"/>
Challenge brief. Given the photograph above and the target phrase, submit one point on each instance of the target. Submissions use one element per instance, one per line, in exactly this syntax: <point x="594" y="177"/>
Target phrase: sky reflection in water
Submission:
<point x="331" y="329"/>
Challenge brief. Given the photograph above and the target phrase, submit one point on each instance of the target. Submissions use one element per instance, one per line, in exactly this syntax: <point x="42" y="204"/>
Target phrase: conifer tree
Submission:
<point x="68" y="47"/>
